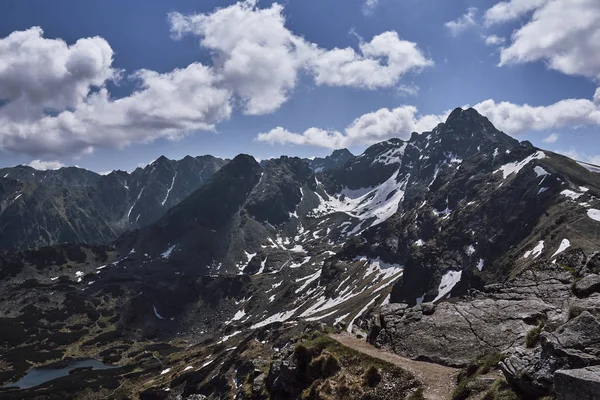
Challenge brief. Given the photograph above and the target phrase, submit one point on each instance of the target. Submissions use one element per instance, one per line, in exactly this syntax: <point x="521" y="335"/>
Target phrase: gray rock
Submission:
<point x="578" y="384"/>
<point x="575" y="344"/>
<point x="587" y="285"/>
<point x="457" y="333"/>
<point x="258" y="383"/>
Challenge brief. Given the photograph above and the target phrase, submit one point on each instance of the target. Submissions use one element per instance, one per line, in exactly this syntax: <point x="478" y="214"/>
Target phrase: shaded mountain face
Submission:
<point x="71" y="204"/>
<point x="281" y="243"/>
<point x="335" y="160"/>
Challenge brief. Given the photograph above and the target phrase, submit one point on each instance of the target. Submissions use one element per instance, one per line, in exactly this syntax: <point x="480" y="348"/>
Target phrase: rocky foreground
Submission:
<point x="542" y="324"/>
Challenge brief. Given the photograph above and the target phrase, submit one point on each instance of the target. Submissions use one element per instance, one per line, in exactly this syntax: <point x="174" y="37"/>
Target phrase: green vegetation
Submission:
<point x="500" y="390"/>
<point x="533" y="335"/>
<point x="330" y="370"/>
<point x="476" y="368"/>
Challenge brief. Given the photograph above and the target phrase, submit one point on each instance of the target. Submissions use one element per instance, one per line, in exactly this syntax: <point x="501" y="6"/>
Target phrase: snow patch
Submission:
<point x="537" y="250"/>
<point x="449" y="280"/>
<point x="564" y="244"/>
<point x="309" y="279"/>
<point x="480" y="264"/>
<point x="517" y="166"/>
<point x="594" y="214"/>
<point x="539" y="171"/>
<point x="169" y="189"/>
<point x="227" y="337"/>
<point x="470" y="249"/>
<point x="168" y="252"/>
<point x="279" y="317"/>
<point x="156" y="313"/>
<point x="361" y="312"/>
<point x="376" y="205"/>
<point x="571" y="194"/>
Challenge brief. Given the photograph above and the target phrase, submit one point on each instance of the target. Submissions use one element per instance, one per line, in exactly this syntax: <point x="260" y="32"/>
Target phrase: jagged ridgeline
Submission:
<point x="40" y="208"/>
<point x="428" y="246"/>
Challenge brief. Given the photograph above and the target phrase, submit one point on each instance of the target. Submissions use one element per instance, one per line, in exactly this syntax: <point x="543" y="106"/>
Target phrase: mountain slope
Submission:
<point x="461" y="211"/>
<point x="75" y="205"/>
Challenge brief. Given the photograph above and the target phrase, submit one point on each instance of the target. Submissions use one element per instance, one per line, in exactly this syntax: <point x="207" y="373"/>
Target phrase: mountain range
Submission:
<point x="219" y="265"/>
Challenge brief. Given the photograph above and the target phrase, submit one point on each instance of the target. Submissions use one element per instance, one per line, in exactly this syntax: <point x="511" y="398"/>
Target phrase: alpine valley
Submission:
<point x="460" y="253"/>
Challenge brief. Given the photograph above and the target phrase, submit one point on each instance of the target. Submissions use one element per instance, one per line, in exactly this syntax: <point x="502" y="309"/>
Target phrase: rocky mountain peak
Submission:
<point x="340" y="154"/>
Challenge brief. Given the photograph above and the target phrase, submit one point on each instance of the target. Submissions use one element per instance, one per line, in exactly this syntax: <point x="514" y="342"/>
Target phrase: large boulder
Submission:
<point x="578" y="384"/>
<point x="456" y="333"/>
<point x="575" y="344"/>
<point x="587" y="285"/>
<point x="493" y="321"/>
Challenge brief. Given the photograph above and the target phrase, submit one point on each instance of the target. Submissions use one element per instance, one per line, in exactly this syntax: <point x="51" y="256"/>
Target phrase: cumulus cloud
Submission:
<point x="510" y="10"/>
<point x="552" y="138"/>
<point x="400" y="122"/>
<point x="45" y="165"/>
<point x="570" y="48"/>
<point x="57" y="103"/>
<point x="37" y="74"/>
<point x="369" y="128"/>
<point x="260" y="59"/>
<point x="54" y="99"/>
<point x="381" y="63"/>
<point x="463" y="22"/>
<point x="164" y="105"/>
<point x="516" y="119"/>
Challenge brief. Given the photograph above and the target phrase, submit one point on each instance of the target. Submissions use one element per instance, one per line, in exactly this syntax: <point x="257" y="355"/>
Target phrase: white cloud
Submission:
<point x="463" y="22"/>
<point x="510" y="10"/>
<point x="260" y="59"/>
<point x="552" y="138"/>
<point x="55" y="100"/>
<point x="45" y="165"/>
<point x="369" y="128"/>
<point x="165" y="105"/>
<point x="382" y="62"/>
<point x="565" y="34"/>
<point x="400" y="122"/>
<point x="37" y="74"/>
<point x="515" y="119"/>
<point x="494" y="40"/>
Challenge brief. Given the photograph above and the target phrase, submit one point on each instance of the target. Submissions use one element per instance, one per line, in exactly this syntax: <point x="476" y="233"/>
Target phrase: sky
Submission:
<point x="114" y="85"/>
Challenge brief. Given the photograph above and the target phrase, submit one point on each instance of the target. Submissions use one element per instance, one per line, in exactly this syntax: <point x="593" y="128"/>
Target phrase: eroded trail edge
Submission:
<point x="438" y="380"/>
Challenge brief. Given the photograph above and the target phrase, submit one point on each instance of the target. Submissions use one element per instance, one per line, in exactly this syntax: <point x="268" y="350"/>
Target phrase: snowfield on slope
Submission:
<point x="367" y="204"/>
<point x="517" y="166"/>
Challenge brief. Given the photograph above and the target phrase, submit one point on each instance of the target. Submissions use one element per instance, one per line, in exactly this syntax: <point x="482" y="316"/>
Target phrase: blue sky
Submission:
<point x="91" y="116"/>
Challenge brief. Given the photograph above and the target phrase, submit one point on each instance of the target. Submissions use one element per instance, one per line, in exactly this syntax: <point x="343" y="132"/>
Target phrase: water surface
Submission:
<point x="37" y="376"/>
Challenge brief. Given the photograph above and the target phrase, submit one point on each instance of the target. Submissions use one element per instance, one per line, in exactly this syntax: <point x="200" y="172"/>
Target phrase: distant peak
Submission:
<point x="341" y="153"/>
<point x="462" y="114"/>
<point x="161" y="159"/>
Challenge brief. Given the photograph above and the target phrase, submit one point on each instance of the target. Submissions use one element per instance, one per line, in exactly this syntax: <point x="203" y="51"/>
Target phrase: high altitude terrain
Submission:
<point x="456" y="245"/>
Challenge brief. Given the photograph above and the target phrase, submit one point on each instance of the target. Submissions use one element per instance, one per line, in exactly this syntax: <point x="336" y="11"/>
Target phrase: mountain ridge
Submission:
<point x="397" y="239"/>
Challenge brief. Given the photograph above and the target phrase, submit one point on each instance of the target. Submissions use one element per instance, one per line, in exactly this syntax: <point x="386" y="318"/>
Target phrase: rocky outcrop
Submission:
<point x="578" y="384"/>
<point x="535" y="320"/>
<point x="492" y="321"/>
<point x="576" y="344"/>
<point x="587" y="285"/>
